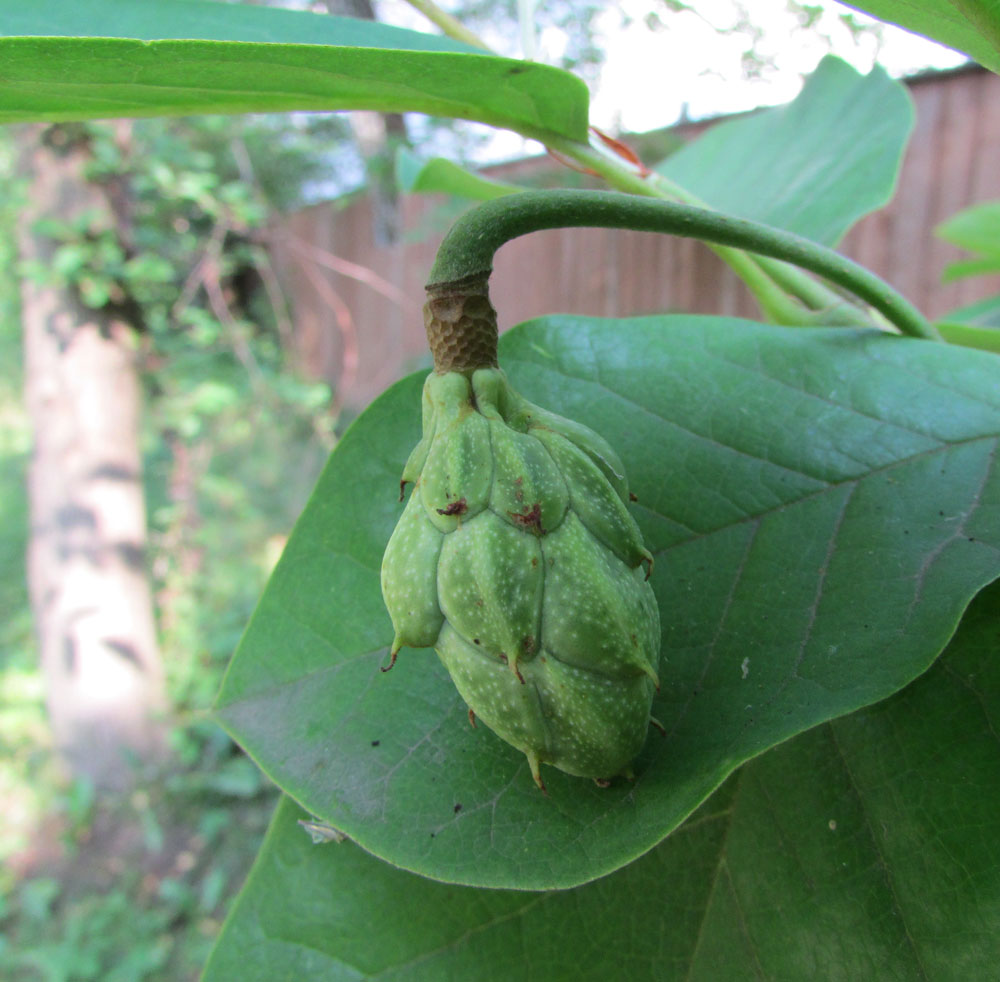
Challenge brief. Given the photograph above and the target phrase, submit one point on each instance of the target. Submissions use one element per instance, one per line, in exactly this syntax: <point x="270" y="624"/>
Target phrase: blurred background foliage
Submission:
<point x="134" y="886"/>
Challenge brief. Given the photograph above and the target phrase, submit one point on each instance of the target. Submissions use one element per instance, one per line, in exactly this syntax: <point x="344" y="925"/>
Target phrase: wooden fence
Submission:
<point x="363" y="333"/>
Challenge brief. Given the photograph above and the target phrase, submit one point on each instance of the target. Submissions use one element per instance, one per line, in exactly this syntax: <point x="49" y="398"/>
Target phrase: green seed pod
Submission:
<point x="516" y="558"/>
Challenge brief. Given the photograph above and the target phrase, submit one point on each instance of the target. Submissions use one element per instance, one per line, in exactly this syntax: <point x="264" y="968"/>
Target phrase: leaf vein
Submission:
<point x="880" y="856"/>
<point x="467" y="935"/>
<point x="720" y="863"/>
<point x="833" y="486"/>
<point x="958" y="533"/>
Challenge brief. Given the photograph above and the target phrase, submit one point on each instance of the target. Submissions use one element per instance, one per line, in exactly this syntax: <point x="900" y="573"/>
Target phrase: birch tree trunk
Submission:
<point x="87" y="575"/>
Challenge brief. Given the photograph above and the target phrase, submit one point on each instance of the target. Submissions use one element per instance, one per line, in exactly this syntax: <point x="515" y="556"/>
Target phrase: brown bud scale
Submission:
<point x="461" y="325"/>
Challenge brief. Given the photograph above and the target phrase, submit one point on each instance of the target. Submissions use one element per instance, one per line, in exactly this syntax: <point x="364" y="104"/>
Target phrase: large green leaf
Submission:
<point x="136" y="58"/>
<point x="983" y="313"/>
<point x="814" y="166"/>
<point x="970" y="26"/>
<point x="822" y="505"/>
<point x="864" y="849"/>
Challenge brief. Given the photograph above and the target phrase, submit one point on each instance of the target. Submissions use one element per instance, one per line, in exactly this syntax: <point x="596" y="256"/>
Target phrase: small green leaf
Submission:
<point x="822" y="506"/>
<point x="970" y="267"/>
<point x="71" y="259"/>
<point x="976" y="325"/>
<point x="95" y="290"/>
<point x="814" y="166"/>
<point x="970" y="26"/>
<point x="970" y="336"/>
<point x="862" y="849"/>
<point x="134" y="58"/>
<point x="149" y="268"/>
<point x="976" y="229"/>
<point x="441" y="176"/>
<point x="982" y="313"/>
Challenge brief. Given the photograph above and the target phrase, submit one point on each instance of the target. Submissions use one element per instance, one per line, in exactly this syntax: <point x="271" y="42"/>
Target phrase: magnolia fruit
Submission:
<point x="517" y="560"/>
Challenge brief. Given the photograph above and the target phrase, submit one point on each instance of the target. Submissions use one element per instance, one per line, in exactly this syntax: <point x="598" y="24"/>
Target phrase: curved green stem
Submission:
<point x="776" y="303"/>
<point x="787" y="295"/>
<point x="451" y="26"/>
<point x="469" y="247"/>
